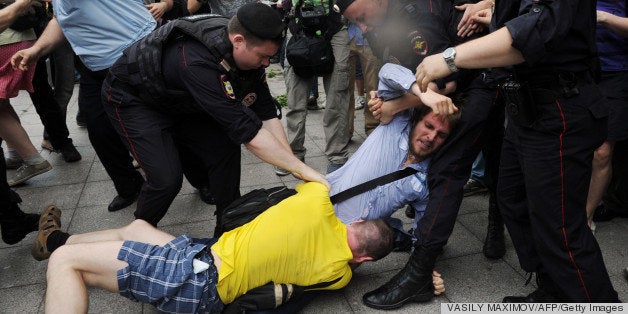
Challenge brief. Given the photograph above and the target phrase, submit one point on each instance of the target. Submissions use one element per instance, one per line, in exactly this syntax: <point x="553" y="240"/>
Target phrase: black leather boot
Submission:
<point x="547" y="292"/>
<point x="412" y="284"/>
<point x="494" y="246"/>
<point x="14" y="223"/>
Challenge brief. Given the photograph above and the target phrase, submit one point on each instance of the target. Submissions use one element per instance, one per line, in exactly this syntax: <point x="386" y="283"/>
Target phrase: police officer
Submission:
<point x="406" y="31"/>
<point x="554" y="125"/>
<point x="199" y="82"/>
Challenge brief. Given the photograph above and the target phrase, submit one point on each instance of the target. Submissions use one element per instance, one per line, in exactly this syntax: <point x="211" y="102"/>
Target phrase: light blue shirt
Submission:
<point x="383" y="152"/>
<point x="99" y="31"/>
<point x="394" y="81"/>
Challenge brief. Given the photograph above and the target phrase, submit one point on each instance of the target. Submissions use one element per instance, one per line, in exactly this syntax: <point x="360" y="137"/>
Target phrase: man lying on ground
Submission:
<point x="299" y="241"/>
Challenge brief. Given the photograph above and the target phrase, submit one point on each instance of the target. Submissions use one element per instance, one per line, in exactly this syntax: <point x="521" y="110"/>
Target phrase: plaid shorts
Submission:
<point x="164" y="276"/>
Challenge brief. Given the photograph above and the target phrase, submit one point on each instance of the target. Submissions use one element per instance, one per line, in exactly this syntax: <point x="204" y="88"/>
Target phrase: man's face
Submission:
<point x="428" y="136"/>
<point x="368" y="14"/>
<point x="250" y="57"/>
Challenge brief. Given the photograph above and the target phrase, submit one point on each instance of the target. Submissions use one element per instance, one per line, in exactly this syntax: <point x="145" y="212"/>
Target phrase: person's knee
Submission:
<point x="62" y="257"/>
<point x="138" y="225"/>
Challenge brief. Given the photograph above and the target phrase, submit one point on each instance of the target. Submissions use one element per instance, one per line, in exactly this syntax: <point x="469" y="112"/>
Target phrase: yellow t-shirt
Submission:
<point x="298" y="241"/>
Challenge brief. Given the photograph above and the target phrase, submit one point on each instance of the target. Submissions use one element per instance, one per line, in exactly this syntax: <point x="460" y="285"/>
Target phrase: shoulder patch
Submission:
<point x="227" y="88"/>
<point x="249" y="99"/>
<point x="418" y="43"/>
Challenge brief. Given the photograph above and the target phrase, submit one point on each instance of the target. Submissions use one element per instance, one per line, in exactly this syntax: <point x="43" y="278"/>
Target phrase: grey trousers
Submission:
<point x="336" y="116"/>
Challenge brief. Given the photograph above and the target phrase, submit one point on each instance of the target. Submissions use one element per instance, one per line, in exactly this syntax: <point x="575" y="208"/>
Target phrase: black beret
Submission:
<point x="261" y="20"/>
<point x="342" y="5"/>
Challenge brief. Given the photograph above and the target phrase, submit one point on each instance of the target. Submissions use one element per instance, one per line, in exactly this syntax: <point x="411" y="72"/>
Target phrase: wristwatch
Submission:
<point x="450" y="56"/>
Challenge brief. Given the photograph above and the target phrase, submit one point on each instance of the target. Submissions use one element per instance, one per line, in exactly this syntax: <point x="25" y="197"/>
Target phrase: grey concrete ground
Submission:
<point x="83" y="191"/>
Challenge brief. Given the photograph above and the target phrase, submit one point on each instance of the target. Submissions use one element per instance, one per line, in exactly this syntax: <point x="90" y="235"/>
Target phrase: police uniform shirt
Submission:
<point x="237" y="102"/>
<point x="412" y="30"/>
<point x="545" y="38"/>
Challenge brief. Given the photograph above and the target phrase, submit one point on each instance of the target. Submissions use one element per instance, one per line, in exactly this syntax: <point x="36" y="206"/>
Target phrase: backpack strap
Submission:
<point x="371" y="184"/>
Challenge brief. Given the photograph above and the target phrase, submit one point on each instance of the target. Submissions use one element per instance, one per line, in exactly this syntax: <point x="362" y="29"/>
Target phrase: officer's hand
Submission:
<point x="433" y="67"/>
<point x="439" y="283"/>
<point x="467" y="25"/>
<point x="483" y="17"/>
<point x="22" y="59"/>
<point x="306" y="173"/>
<point x="440" y="104"/>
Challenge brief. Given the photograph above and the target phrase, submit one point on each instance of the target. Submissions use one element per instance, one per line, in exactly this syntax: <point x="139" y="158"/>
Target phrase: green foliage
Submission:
<point x="283" y="100"/>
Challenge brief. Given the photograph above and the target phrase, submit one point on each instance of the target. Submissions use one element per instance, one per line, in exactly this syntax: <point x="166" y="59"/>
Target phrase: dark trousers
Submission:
<point x="103" y="137"/>
<point x="49" y="111"/>
<point x="155" y="140"/>
<point x="479" y="129"/>
<point x="543" y="186"/>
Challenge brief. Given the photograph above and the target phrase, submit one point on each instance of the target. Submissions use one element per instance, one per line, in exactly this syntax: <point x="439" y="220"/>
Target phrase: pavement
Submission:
<point x="83" y="190"/>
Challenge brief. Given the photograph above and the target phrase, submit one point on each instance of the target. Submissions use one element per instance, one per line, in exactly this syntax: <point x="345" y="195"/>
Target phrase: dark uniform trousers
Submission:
<point x="49" y="111"/>
<point x="103" y="137"/>
<point x="543" y="186"/>
<point x="155" y="138"/>
<point x="480" y="128"/>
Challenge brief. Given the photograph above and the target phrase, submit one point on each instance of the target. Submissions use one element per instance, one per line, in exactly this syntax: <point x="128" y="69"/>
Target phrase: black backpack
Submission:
<point x="251" y="204"/>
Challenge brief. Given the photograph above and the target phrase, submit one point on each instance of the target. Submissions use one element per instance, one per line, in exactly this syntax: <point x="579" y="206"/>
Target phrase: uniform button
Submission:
<point x="536" y="10"/>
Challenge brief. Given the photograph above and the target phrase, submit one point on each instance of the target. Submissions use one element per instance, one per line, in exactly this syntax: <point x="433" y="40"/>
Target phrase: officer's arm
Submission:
<point x="492" y="50"/>
<point x="269" y="149"/>
<point x="276" y="129"/>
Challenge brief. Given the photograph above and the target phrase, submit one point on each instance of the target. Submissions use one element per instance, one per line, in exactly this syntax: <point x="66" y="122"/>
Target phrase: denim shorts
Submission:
<point x="164" y="276"/>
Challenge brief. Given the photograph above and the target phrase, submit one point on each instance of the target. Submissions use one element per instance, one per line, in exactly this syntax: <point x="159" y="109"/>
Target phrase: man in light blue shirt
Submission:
<point x="98" y="32"/>
<point x="407" y="141"/>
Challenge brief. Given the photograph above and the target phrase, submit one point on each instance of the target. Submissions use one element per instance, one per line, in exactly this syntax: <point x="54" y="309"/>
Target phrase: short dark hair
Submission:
<point x="376" y="238"/>
<point x="421" y="111"/>
<point x="235" y="27"/>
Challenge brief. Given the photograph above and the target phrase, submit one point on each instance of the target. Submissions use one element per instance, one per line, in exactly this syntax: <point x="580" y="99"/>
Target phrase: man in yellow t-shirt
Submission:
<point x="299" y="241"/>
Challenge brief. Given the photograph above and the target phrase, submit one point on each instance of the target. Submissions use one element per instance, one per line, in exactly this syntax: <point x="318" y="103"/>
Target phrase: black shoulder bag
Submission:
<point x="309" y="50"/>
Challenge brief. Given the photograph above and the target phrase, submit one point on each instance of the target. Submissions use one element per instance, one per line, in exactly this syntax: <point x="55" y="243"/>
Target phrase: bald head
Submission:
<point x="368" y="14"/>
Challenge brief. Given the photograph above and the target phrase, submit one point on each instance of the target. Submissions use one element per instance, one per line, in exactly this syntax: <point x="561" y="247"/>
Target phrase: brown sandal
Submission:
<point x="49" y="221"/>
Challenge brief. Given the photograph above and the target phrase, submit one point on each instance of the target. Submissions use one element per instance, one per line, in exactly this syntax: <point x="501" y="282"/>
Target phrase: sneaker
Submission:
<point x="26" y="172"/>
<point x="14" y="162"/>
<point x="49" y="221"/>
<point x="360" y="102"/>
<point x="281" y="171"/>
<point x="69" y="153"/>
<point x="312" y="104"/>
<point x="45" y="144"/>
<point x="474" y="187"/>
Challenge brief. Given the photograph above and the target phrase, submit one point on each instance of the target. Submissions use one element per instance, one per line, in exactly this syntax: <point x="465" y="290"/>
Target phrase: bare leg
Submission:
<point x="90" y="259"/>
<point x="74" y="267"/>
<point x="12" y="131"/>
<point x="139" y="231"/>
<point x="600" y="177"/>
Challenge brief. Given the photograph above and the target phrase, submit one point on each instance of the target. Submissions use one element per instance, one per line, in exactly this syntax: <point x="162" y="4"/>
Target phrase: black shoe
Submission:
<point x="494" y="244"/>
<point x="206" y="196"/>
<point x="69" y="153"/>
<point x="473" y="187"/>
<point x="312" y="104"/>
<point x="547" y="292"/>
<point x="606" y="213"/>
<point x="410" y="212"/>
<point x="81" y="119"/>
<point x="120" y="202"/>
<point x="403" y="242"/>
<point x="412" y="284"/>
<point x="14" y="230"/>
